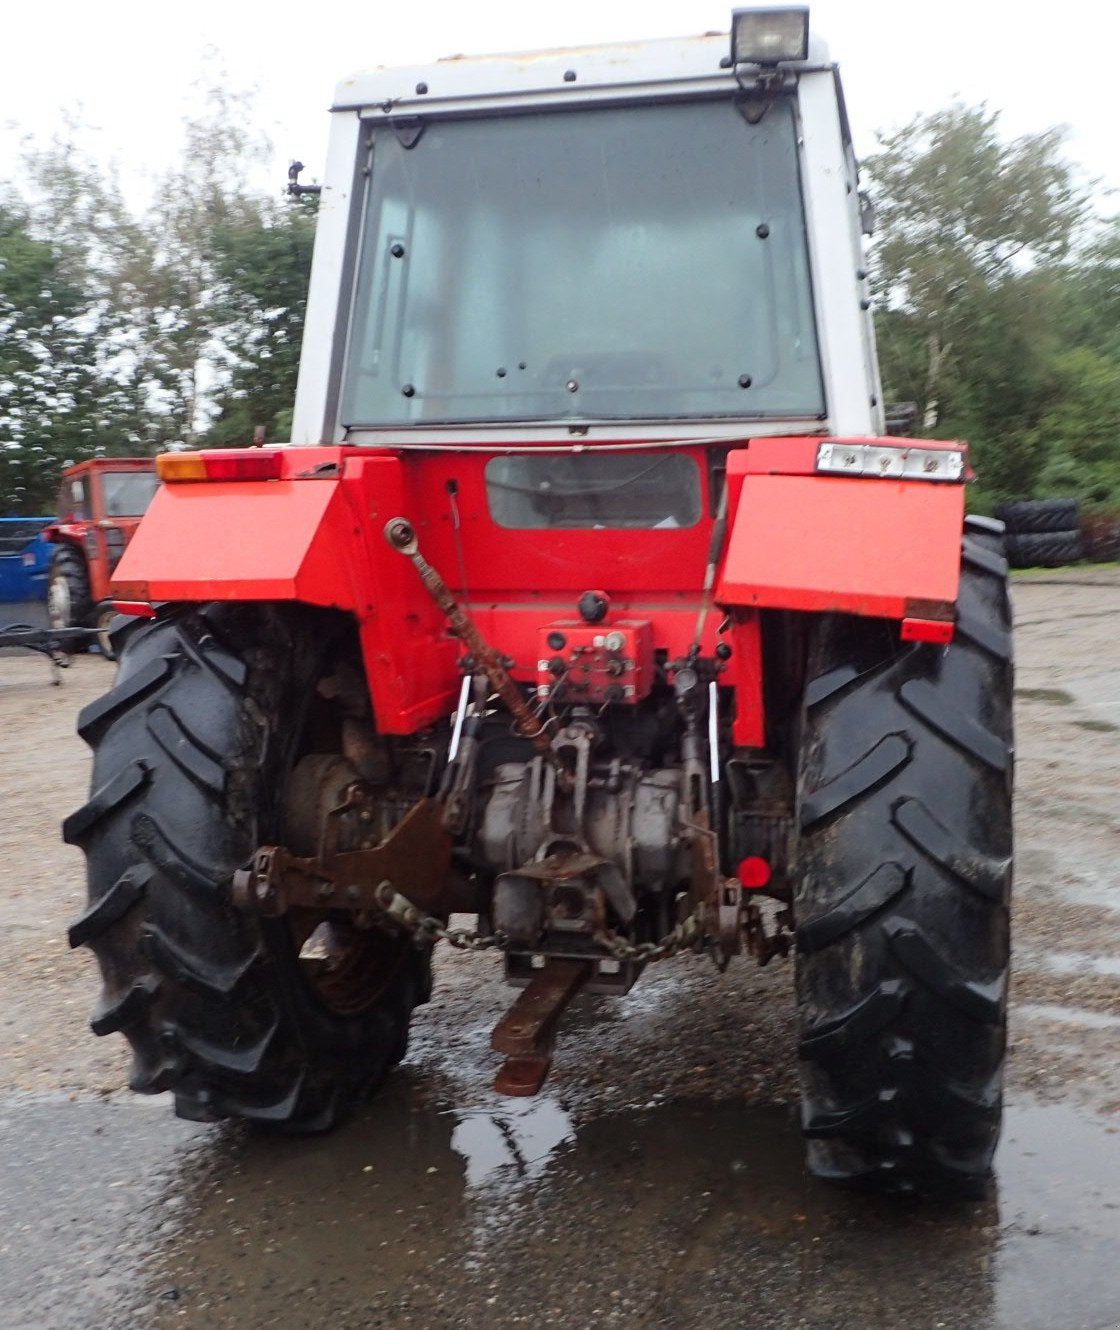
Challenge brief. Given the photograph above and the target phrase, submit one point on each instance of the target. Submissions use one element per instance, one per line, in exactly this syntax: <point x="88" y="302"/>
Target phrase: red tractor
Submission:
<point x="591" y="600"/>
<point x="100" y="507"/>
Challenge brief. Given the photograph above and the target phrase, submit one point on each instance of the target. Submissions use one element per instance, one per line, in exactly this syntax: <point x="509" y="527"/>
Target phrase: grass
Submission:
<point x="1018" y="574"/>
<point x="1098" y="726"/>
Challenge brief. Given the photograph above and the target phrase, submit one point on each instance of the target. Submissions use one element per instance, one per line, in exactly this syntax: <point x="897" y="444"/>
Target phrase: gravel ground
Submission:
<point x="662" y="1164"/>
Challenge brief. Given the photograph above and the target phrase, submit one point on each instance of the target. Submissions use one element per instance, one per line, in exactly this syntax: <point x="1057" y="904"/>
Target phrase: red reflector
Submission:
<point x="754" y="872"/>
<point x="139" y="609"/>
<point x="927" y="630"/>
<point x="242" y="464"/>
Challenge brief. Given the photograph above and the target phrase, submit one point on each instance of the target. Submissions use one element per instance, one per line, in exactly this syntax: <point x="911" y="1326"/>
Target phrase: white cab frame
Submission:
<point x="582" y="76"/>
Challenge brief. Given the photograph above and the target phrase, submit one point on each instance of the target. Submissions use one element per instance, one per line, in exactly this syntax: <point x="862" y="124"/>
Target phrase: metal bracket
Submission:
<point x="412" y="861"/>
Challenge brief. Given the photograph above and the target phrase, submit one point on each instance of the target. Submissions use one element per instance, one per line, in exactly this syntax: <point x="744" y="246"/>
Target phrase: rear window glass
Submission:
<point x="594" y="491"/>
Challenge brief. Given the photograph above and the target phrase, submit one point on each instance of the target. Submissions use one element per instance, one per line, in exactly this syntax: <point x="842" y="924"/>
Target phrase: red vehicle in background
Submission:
<point x="100" y="506"/>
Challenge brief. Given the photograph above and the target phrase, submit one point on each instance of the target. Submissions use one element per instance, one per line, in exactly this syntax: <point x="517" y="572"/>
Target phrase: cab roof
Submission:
<point x="562" y="73"/>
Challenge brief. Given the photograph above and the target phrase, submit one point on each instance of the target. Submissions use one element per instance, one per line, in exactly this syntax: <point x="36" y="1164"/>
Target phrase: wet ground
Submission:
<point x="681" y="1214"/>
<point x="657" y="1183"/>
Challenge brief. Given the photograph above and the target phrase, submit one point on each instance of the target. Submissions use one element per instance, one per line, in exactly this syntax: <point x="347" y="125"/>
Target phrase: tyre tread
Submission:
<point x="902" y="923"/>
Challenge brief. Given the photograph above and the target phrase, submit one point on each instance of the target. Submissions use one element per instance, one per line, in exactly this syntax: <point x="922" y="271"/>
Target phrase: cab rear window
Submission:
<point x="594" y="491"/>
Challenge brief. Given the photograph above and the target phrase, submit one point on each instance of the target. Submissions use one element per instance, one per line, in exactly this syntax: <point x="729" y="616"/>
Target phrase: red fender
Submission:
<point x="314" y="536"/>
<point x="800" y="540"/>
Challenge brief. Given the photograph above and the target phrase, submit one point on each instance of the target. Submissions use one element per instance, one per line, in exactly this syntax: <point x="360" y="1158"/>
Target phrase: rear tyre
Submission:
<point x="903" y="895"/>
<point x="193" y="748"/>
<point x="68" y="595"/>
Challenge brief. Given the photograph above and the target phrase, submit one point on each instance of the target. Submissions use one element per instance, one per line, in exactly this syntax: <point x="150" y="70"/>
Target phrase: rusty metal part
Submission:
<point x="366" y="750"/>
<point x="566" y="890"/>
<point x="520" y="1077"/>
<point x="761" y="944"/>
<point x="526" y="1033"/>
<point x="402" y="536"/>
<point x="414" y="858"/>
<point x="728" y="922"/>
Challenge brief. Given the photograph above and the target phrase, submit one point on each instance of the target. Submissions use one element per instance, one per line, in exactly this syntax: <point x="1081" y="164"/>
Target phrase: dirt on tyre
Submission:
<point x="69" y="603"/>
<point x="1054" y="550"/>
<point x="1039" y="515"/>
<point x="193" y="749"/>
<point x="902" y="904"/>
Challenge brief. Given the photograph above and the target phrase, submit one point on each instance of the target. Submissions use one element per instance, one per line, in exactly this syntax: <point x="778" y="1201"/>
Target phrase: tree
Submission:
<point x="261" y="267"/>
<point x="55" y="404"/>
<point x="959" y="212"/>
<point x="195" y="203"/>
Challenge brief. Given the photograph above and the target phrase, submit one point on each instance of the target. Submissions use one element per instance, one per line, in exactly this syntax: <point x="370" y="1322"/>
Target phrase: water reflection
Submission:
<point x="517" y="1139"/>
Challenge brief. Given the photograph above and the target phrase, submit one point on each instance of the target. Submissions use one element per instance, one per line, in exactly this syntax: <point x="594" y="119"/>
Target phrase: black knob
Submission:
<point x="556" y="641"/>
<point x="593" y="606"/>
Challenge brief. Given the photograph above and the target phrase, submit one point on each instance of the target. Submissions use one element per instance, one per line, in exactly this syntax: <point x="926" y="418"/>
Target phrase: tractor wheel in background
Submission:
<point x="104" y="618"/>
<point x="903" y="892"/>
<point x="1038" y="515"/>
<point x="1053" y="550"/>
<point x="193" y="748"/>
<point x="68" y="595"/>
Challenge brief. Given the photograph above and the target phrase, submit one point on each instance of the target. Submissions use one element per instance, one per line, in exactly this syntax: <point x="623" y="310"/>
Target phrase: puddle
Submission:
<point x="1088" y="1020"/>
<point x="1071" y="962"/>
<point x="515" y="1141"/>
<point x="522" y="1213"/>
<point x="1099" y="693"/>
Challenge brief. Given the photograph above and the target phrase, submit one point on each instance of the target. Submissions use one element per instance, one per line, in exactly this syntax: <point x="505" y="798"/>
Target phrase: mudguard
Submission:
<point x="800" y="540"/>
<point x="315" y="536"/>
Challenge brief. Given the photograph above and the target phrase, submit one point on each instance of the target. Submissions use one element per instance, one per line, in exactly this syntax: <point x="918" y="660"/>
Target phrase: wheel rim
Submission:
<point x="58" y="602"/>
<point x="347" y="968"/>
<point x="104" y="619"/>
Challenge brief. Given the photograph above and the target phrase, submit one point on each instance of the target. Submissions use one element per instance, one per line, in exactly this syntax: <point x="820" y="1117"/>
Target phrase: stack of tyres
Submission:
<point x="1042" y="533"/>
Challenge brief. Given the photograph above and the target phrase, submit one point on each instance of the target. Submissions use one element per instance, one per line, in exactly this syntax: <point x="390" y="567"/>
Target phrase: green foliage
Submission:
<point x="57" y="403"/>
<point x="1079" y="430"/>
<point x="261" y="268"/>
<point x="122" y="333"/>
<point x="956" y="206"/>
<point x="986" y="299"/>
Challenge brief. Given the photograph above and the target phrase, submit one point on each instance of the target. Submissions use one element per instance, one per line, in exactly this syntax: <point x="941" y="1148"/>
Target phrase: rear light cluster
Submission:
<point x="877" y="459"/>
<point x="219" y="464"/>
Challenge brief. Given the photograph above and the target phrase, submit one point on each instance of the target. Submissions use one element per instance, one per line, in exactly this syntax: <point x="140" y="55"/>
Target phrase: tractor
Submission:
<point x="99" y="508"/>
<point x="591" y="601"/>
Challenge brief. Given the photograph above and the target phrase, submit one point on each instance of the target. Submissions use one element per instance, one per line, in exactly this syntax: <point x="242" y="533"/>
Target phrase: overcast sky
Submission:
<point x="127" y="68"/>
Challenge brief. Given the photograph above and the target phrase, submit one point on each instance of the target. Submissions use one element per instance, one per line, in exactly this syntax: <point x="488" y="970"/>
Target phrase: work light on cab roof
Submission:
<point x="591" y="600"/>
<point x="769" y="36"/>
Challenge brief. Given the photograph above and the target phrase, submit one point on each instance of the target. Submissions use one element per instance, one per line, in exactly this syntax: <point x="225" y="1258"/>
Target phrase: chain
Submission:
<point x="431" y="930"/>
<point x="428" y="930"/>
<point x="685" y="936"/>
